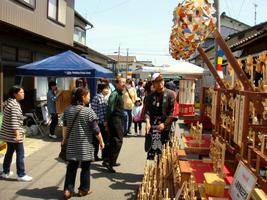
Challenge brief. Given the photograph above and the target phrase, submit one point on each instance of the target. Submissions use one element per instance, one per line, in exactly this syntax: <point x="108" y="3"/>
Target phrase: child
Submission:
<point x="136" y="113"/>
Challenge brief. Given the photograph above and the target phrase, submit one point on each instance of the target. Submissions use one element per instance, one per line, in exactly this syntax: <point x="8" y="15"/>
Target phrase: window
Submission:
<point x="79" y="35"/>
<point x="29" y="3"/>
<point x="57" y="11"/>
<point x="24" y="55"/>
<point x="9" y="53"/>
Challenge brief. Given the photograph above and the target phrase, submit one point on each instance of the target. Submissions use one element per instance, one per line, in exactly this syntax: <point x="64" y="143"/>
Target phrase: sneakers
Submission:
<point x="24" y="178"/>
<point x="53" y="136"/>
<point x="8" y="175"/>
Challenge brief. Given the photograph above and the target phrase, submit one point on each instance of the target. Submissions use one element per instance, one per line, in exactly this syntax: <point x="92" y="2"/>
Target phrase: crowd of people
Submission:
<point x="102" y="122"/>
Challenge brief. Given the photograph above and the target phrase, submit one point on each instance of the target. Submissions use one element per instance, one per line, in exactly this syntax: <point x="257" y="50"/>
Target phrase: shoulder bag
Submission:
<point x="62" y="154"/>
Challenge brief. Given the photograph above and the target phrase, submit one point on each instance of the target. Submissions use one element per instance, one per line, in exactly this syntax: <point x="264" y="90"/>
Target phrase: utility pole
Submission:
<point x="118" y="62"/>
<point x="127" y="67"/>
<point x="255" y="13"/>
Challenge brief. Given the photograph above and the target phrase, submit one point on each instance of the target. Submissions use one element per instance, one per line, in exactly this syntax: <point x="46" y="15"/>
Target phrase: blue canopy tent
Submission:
<point x="66" y="64"/>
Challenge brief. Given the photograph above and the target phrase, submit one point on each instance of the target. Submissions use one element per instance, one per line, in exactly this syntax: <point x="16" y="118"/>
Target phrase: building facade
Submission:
<point x="32" y="30"/>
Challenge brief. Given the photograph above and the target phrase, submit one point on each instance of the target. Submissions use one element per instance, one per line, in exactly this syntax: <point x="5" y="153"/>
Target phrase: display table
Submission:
<point x="197" y="147"/>
<point x="199" y="168"/>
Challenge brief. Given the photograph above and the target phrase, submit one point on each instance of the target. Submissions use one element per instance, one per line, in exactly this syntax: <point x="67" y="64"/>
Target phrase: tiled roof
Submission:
<point x="123" y="58"/>
<point x="248" y="38"/>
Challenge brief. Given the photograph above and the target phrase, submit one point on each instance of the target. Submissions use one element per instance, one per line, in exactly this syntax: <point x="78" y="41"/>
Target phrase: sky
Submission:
<point x="143" y="26"/>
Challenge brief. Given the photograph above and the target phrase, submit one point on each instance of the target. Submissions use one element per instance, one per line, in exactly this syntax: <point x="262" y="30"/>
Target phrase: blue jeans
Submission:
<point x="71" y="175"/>
<point x="128" y="121"/>
<point x="19" y="148"/>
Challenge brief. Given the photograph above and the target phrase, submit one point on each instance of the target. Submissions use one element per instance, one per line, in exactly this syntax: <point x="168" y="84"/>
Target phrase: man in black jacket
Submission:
<point x="159" y="114"/>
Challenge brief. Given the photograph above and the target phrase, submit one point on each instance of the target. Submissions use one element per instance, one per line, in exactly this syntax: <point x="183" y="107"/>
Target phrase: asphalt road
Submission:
<point x="48" y="174"/>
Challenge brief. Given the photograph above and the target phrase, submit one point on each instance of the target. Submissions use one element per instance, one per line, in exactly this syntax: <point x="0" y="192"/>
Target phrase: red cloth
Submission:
<point x="176" y="109"/>
<point x="205" y="142"/>
<point x="199" y="168"/>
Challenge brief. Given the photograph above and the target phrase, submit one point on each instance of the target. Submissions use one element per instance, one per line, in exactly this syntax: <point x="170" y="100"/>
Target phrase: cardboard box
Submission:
<point x="214" y="185"/>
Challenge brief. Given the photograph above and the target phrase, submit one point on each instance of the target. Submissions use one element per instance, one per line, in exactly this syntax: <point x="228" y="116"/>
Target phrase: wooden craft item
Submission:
<point x="241" y="120"/>
<point x="214" y="184"/>
<point x="236" y="117"/>
<point x="217" y="154"/>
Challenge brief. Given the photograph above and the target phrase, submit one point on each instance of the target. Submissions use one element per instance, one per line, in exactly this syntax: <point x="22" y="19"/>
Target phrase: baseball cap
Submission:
<point x="156" y="77"/>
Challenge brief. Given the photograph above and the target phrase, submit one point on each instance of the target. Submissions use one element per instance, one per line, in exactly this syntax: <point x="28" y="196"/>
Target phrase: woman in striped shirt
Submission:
<point x="80" y="126"/>
<point x="12" y="134"/>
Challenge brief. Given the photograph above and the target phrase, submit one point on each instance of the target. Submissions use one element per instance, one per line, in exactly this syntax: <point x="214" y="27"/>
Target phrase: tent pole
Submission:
<point x="21" y="80"/>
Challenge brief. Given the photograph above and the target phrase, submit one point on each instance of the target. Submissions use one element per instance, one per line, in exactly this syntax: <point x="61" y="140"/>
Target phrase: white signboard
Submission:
<point x="243" y="183"/>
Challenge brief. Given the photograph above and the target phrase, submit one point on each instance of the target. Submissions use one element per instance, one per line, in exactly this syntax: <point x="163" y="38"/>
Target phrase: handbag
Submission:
<point x="62" y="156"/>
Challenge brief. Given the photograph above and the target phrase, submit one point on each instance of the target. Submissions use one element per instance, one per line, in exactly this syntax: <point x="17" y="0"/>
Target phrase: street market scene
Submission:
<point x="136" y="100"/>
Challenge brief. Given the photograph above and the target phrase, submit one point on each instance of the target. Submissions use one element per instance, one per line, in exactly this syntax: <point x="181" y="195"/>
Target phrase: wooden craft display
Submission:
<point x="217" y="155"/>
<point x="163" y="176"/>
<point x="189" y="29"/>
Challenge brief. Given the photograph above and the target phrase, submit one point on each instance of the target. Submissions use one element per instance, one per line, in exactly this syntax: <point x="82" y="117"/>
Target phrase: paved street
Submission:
<point x="48" y="174"/>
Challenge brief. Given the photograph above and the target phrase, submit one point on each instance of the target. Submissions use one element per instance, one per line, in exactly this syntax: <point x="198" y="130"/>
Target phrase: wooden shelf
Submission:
<point x="259" y="153"/>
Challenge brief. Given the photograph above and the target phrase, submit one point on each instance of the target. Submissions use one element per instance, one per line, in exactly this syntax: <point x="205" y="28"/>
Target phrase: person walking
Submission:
<point x="137" y="111"/>
<point x="79" y="128"/>
<point x="159" y="114"/>
<point x="52" y="95"/>
<point x="129" y="98"/>
<point x="99" y="105"/>
<point x="12" y="133"/>
<point x="114" y="119"/>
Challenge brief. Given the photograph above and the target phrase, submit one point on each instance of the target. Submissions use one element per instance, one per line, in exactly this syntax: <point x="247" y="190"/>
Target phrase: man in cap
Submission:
<point x="158" y="115"/>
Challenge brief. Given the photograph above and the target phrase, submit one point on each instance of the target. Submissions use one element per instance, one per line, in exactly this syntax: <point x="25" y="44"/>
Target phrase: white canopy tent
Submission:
<point x="181" y="68"/>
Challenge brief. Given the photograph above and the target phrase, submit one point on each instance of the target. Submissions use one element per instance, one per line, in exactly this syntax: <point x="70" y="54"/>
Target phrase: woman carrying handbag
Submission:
<point x="78" y="132"/>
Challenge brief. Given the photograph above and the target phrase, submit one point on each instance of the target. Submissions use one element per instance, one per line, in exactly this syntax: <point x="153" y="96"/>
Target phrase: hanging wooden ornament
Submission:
<point x="193" y="21"/>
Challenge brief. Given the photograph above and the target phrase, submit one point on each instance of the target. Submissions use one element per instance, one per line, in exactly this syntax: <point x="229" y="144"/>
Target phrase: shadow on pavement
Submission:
<point x="120" y="180"/>
<point x="42" y="193"/>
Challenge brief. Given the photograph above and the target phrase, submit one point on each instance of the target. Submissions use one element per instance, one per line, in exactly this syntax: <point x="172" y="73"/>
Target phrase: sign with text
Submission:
<point x="243" y="183"/>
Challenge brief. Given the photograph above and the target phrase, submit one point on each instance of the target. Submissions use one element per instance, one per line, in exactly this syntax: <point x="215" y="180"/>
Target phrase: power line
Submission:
<point x="227" y="6"/>
<point x="112" y="7"/>
<point x="240" y="8"/>
<point x="136" y="53"/>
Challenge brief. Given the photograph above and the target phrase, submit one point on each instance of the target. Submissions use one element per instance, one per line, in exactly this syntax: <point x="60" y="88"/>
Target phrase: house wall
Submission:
<point x="36" y="21"/>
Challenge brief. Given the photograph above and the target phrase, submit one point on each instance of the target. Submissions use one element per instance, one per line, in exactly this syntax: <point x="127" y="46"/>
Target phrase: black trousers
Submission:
<point x="139" y="126"/>
<point x="54" y="122"/>
<point x="105" y="139"/>
<point x="115" y="139"/>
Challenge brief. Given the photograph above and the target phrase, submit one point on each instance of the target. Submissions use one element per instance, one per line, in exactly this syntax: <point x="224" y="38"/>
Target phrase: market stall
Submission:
<point x="66" y="64"/>
<point x="238" y="144"/>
